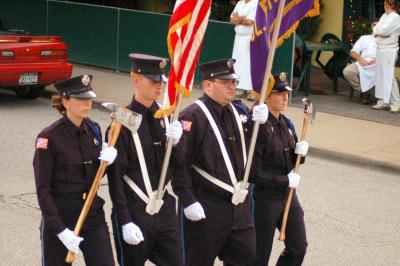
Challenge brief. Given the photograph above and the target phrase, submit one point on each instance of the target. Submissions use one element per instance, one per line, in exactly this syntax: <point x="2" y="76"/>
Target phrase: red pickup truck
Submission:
<point x="29" y="63"/>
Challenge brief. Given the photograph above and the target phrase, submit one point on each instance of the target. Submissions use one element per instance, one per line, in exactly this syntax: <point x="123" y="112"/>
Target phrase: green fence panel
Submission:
<point x="141" y="32"/>
<point x="28" y="15"/>
<point x="283" y="60"/>
<point x="218" y="41"/>
<point x="89" y="31"/>
<point x="104" y="36"/>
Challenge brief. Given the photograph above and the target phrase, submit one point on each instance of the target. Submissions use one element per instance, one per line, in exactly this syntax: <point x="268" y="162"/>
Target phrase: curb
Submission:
<point x="360" y="161"/>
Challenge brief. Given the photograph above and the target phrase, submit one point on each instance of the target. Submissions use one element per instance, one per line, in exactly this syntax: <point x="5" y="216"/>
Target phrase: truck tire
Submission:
<point x="29" y="92"/>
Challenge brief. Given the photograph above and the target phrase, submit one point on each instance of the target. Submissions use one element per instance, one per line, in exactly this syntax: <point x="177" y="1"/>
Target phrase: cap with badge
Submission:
<point x="281" y="83"/>
<point x="77" y="87"/>
<point x="153" y="67"/>
<point x="220" y="69"/>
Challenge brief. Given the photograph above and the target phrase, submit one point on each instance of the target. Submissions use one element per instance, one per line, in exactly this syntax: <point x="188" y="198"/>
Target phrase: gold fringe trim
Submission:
<point x="311" y="13"/>
<point x="185" y="91"/>
<point x="271" y="84"/>
<point x="161" y="113"/>
<point x="174" y="28"/>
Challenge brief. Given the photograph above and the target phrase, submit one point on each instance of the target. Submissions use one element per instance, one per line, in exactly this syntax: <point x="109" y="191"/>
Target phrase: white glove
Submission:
<point x="194" y="212"/>
<point x="108" y="154"/>
<point x="294" y="179"/>
<point x="301" y="148"/>
<point x="174" y="131"/>
<point x="260" y="113"/>
<point x="70" y="240"/>
<point x="132" y="234"/>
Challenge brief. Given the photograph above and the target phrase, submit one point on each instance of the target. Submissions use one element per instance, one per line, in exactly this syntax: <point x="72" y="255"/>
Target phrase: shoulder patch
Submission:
<point x="41" y="143"/>
<point x="186" y="125"/>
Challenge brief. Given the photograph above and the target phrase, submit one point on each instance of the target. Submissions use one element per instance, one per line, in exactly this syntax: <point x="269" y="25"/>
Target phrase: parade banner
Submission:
<point x="185" y="37"/>
<point x="263" y="30"/>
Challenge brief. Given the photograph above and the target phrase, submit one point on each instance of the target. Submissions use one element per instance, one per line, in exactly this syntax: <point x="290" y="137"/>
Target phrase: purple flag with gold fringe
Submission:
<point x="263" y="30"/>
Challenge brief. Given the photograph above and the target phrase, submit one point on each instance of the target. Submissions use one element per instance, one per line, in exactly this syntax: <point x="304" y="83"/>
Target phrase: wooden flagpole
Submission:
<point x="270" y="60"/>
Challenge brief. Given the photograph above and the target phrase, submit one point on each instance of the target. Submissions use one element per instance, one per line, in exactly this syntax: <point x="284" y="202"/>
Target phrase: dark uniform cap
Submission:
<point x="281" y="83"/>
<point x="221" y="69"/>
<point x="77" y="87"/>
<point x="152" y="67"/>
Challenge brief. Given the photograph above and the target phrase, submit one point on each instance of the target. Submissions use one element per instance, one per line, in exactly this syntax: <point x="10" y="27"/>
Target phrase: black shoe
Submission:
<point x="365" y="97"/>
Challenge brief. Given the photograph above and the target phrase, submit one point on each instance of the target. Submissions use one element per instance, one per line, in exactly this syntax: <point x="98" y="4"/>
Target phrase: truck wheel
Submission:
<point x="29" y="92"/>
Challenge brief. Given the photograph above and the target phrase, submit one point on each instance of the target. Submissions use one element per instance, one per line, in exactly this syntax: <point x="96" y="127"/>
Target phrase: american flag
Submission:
<point x="185" y="37"/>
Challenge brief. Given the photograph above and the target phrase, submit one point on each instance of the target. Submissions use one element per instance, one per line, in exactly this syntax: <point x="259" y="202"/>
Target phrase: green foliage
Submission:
<point x="356" y="28"/>
<point x="221" y="9"/>
<point x="308" y="27"/>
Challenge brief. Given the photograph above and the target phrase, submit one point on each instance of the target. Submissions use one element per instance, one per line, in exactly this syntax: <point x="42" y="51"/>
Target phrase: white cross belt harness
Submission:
<point x="153" y="204"/>
<point x="238" y="189"/>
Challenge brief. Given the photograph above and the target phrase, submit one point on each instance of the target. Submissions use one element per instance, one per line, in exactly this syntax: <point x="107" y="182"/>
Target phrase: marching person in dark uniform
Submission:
<point x="140" y="234"/>
<point x="65" y="164"/>
<point x="208" y="169"/>
<point x="272" y="173"/>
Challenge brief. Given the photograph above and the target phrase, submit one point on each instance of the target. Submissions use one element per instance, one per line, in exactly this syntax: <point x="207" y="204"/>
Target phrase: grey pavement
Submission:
<point x="344" y="129"/>
<point x="349" y="210"/>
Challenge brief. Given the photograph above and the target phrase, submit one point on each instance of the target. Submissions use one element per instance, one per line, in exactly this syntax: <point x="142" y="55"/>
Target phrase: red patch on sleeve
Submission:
<point x="41" y="143"/>
<point x="186" y="125"/>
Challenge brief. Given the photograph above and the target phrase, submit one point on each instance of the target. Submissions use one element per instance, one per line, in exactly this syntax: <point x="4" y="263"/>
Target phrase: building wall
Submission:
<point x="332" y="18"/>
<point x="332" y="21"/>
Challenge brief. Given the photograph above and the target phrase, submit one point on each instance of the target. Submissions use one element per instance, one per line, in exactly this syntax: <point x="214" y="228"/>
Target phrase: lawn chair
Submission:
<point x="335" y="65"/>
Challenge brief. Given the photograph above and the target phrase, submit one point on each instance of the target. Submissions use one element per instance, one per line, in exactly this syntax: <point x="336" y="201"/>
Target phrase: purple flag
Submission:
<point x="263" y="30"/>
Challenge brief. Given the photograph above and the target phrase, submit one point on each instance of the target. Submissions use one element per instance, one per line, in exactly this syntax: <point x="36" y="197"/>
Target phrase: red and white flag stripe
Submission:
<point x="185" y="37"/>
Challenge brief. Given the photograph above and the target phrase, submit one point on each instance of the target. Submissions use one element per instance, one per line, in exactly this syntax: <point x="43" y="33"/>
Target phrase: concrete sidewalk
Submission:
<point x="340" y="138"/>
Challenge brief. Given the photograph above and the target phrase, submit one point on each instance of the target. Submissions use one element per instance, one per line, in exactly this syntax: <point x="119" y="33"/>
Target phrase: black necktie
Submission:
<point x="84" y="143"/>
<point x="156" y="136"/>
<point x="285" y="140"/>
<point x="232" y="140"/>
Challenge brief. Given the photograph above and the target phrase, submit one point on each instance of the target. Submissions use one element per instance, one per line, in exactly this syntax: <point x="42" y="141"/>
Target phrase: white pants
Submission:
<point x="241" y="53"/>
<point x="386" y="87"/>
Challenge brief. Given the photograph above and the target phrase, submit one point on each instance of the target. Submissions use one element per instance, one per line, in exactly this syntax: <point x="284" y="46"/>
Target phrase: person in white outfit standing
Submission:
<point x="243" y="17"/>
<point x="386" y="34"/>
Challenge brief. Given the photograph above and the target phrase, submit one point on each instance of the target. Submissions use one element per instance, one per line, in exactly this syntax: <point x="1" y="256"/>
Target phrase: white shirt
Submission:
<point x="245" y="9"/>
<point x="389" y="26"/>
<point x="365" y="47"/>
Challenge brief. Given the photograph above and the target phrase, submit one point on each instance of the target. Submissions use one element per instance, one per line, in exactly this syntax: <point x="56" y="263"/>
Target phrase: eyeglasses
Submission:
<point x="226" y="82"/>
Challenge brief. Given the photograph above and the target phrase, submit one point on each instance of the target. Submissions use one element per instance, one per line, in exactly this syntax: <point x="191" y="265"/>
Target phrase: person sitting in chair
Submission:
<point x="361" y="73"/>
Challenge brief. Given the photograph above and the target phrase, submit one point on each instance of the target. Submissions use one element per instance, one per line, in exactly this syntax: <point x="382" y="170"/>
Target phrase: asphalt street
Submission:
<point x="352" y="214"/>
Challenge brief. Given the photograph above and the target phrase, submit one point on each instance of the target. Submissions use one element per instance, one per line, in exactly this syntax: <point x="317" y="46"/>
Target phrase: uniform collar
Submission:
<point x="272" y="119"/>
<point x="218" y="108"/>
<point x="71" y="128"/>
<point x="141" y="109"/>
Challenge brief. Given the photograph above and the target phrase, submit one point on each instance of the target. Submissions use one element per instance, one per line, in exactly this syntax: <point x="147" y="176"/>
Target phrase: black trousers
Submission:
<point x="96" y="246"/>
<point x="221" y="234"/>
<point x="161" y="244"/>
<point x="268" y="217"/>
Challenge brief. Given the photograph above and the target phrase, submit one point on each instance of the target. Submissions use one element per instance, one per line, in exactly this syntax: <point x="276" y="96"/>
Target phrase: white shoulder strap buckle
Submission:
<point x="239" y="190"/>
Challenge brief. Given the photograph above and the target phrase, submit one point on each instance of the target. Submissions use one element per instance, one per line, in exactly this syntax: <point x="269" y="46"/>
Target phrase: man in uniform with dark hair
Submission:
<point x="140" y="231"/>
<point x="208" y="168"/>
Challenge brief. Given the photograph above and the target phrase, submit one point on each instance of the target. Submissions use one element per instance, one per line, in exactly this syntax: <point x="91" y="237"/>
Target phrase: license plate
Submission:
<point x="28" y="78"/>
